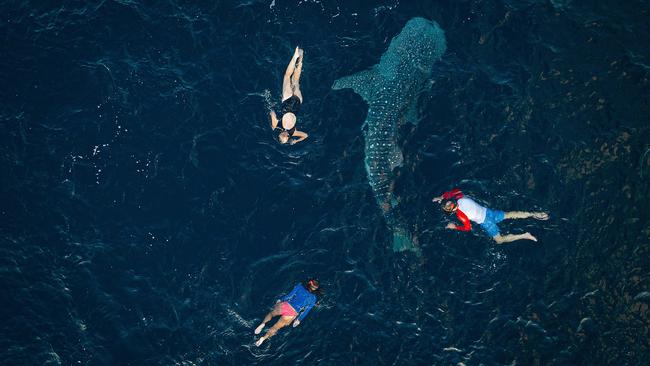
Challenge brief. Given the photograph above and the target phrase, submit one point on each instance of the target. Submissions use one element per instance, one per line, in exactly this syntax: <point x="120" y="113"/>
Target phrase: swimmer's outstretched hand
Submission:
<point x="296" y="323"/>
<point x="274" y="119"/>
<point x="450" y="226"/>
<point x="437" y="199"/>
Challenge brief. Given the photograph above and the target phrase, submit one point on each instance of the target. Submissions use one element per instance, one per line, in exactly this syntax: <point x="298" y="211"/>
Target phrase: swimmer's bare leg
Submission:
<point x="525" y="215"/>
<point x="277" y="310"/>
<point x="502" y="239"/>
<point x="281" y="323"/>
<point x="295" y="77"/>
<point x="287" y="87"/>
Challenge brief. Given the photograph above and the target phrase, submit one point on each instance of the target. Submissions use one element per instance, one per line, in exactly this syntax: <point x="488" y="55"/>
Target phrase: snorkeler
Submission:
<point x="296" y="303"/>
<point x="468" y="210"/>
<point x="291" y="100"/>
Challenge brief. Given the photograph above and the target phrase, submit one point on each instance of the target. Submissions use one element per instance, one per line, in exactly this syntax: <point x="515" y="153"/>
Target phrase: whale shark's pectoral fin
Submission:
<point x="365" y="83"/>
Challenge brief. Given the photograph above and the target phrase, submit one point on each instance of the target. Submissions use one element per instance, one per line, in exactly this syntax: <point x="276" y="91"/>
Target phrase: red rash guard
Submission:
<point x="457" y="194"/>
<point x="454" y="193"/>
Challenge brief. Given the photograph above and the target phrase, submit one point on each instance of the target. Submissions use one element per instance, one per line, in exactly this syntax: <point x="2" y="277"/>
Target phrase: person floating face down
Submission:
<point x="291" y="101"/>
<point x="292" y="307"/>
<point x="467" y="210"/>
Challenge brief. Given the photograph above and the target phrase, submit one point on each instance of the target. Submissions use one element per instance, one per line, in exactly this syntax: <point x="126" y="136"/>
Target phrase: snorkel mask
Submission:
<point x="449" y="206"/>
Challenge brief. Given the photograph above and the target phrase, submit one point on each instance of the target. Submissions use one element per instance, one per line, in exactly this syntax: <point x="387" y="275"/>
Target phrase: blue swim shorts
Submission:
<point x="492" y="218"/>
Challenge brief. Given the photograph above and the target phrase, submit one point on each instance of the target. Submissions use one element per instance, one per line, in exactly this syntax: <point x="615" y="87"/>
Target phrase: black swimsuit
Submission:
<point x="289" y="105"/>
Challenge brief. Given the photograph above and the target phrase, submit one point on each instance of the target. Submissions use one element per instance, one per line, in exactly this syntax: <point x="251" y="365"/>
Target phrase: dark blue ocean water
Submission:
<point x="148" y="217"/>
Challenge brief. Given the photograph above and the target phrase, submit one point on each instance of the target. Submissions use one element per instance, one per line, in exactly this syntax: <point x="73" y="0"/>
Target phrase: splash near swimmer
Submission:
<point x="390" y="88"/>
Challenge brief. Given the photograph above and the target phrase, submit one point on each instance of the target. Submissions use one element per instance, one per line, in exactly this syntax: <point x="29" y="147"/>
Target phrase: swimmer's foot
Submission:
<point x="259" y="328"/>
<point x="540" y="215"/>
<point x="297" y="53"/>
<point x="528" y="236"/>
<point x="298" y="56"/>
<point x="259" y="341"/>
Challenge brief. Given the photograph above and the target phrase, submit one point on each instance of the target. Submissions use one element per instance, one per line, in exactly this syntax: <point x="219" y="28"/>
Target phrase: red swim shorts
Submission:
<point x="287" y="310"/>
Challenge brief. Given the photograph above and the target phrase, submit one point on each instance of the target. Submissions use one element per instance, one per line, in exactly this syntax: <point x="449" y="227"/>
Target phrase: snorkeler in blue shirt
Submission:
<point x="292" y="307"/>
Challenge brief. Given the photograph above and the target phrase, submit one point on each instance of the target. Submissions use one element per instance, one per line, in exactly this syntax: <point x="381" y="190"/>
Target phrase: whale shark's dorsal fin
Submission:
<point x="364" y="83"/>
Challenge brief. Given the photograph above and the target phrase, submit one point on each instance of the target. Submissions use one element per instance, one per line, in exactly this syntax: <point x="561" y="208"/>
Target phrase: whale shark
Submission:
<point x="390" y="88"/>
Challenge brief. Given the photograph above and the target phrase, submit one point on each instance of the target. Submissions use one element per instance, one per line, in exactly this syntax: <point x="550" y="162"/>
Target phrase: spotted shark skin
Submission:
<point x="390" y="88"/>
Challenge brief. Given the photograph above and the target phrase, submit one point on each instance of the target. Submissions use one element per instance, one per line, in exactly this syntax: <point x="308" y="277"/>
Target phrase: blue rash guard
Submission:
<point x="300" y="300"/>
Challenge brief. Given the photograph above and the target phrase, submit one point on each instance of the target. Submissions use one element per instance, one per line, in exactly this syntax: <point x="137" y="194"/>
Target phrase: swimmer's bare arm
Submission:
<point x="274" y="120"/>
<point x="300" y="136"/>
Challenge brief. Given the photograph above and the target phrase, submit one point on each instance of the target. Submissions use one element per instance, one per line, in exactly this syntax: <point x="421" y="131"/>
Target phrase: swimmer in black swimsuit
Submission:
<point x="291" y="101"/>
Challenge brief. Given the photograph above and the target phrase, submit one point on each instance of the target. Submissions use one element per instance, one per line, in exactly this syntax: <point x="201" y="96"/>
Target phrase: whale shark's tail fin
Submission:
<point x="363" y="83"/>
<point x="402" y="241"/>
